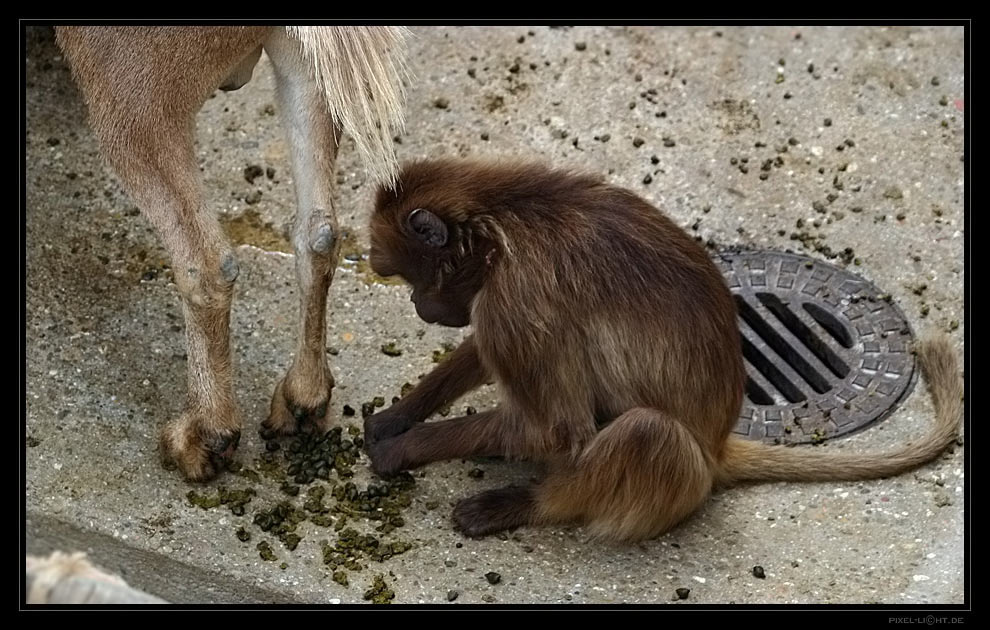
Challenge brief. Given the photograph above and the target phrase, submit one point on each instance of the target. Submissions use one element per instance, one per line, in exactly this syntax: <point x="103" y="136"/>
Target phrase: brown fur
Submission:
<point x="589" y="308"/>
<point x="143" y="87"/>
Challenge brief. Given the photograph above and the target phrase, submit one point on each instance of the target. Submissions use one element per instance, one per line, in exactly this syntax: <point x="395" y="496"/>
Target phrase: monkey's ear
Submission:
<point x="428" y="227"/>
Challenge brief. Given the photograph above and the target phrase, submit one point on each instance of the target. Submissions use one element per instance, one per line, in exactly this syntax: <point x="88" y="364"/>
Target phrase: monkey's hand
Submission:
<point x="385" y="425"/>
<point x="387" y="456"/>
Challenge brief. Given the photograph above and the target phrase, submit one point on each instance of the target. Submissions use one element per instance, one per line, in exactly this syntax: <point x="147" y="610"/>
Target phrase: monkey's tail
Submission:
<point x="361" y="70"/>
<point x="745" y="460"/>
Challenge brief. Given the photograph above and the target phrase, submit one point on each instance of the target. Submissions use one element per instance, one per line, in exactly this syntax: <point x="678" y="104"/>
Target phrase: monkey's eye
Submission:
<point x="428" y="227"/>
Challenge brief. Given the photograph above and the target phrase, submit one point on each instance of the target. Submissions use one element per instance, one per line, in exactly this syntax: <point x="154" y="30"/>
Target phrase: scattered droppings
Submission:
<point x="253" y="172"/>
<point x="390" y="349"/>
<point x="682" y="593"/>
<point x="440" y="355"/>
<point x="493" y="577"/>
<point x="234" y="499"/>
<point x="452" y="595"/>
<point x="265" y="551"/>
<point x="758" y="572"/>
<point x="379" y="593"/>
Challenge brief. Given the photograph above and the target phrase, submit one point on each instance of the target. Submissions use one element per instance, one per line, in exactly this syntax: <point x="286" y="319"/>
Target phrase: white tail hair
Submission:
<point x="360" y="70"/>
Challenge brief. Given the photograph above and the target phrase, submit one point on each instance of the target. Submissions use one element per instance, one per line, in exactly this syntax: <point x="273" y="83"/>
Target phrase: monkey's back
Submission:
<point x="615" y="300"/>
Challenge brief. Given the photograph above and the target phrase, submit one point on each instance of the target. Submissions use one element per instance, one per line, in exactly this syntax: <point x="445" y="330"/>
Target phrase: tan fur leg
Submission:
<point x="301" y="399"/>
<point x="143" y="92"/>
<point x="208" y="430"/>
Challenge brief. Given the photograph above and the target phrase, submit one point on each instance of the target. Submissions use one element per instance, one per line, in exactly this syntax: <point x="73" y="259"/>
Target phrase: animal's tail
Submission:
<point x="361" y="70"/>
<point x="745" y="460"/>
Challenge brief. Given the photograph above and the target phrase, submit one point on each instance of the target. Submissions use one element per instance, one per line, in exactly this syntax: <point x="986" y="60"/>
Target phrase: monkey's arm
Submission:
<point x="461" y="372"/>
<point x="468" y="436"/>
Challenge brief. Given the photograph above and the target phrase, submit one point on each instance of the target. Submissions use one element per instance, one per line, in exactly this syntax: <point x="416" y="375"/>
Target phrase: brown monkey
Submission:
<point x="589" y="308"/>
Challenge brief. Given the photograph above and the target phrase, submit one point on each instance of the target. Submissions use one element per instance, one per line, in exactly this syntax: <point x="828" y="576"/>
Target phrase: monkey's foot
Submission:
<point x="385" y="425"/>
<point x="199" y="454"/>
<point x="291" y="413"/>
<point x="494" y="511"/>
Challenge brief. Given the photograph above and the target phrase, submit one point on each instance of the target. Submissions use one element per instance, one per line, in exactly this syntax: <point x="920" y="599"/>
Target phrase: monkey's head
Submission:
<point x="430" y="231"/>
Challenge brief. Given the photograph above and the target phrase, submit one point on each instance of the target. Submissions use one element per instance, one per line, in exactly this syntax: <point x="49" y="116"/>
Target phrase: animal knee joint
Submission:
<point x="229" y="268"/>
<point x="323" y="240"/>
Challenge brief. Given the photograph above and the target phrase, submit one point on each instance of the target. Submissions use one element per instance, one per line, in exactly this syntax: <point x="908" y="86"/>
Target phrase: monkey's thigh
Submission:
<point x="639" y="477"/>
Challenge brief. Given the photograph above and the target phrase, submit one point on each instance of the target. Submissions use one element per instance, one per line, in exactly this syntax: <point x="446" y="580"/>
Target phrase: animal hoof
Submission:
<point x="199" y="455"/>
<point x="288" y="416"/>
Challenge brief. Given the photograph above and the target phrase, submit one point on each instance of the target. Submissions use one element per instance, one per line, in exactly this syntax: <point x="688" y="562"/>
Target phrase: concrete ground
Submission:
<point x="869" y="124"/>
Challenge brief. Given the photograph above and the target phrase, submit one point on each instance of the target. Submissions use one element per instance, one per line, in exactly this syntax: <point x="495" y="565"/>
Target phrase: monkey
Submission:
<point x="613" y="341"/>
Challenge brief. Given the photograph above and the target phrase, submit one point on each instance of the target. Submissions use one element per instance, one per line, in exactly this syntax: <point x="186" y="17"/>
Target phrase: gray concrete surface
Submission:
<point x="105" y="364"/>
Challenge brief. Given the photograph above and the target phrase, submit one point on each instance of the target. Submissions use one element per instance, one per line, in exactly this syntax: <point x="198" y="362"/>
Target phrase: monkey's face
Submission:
<point x="425" y="251"/>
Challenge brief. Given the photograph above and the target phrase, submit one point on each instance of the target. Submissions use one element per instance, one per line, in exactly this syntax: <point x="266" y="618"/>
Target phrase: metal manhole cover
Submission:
<point x="826" y="352"/>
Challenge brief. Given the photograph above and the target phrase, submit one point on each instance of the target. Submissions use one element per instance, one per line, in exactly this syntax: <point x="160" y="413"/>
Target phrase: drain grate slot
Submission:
<point x="798" y="328"/>
<point x="770" y="372"/>
<point x="779" y="345"/>
<point x="757" y="394"/>
<point x="829" y="322"/>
